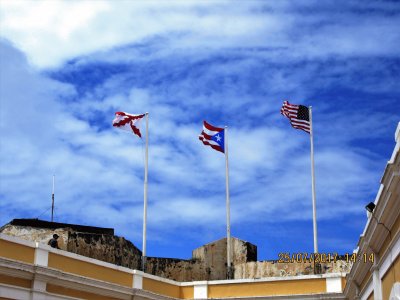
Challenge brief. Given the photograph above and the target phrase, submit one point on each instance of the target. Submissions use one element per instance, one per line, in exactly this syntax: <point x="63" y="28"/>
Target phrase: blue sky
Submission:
<point x="67" y="66"/>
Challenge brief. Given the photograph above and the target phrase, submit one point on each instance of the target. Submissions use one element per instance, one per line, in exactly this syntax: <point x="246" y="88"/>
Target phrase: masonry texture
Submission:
<point x="213" y="256"/>
<point x="208" y="261"/>
<point x="94" y="242"/>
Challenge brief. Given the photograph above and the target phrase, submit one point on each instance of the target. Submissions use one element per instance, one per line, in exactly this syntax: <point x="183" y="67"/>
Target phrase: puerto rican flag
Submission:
<point x="213" y="136"/>
<point x="127" y="122"/>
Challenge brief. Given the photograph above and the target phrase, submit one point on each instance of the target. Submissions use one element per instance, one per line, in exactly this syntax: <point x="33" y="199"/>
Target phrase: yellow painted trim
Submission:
<point x="269" y="288"/>
<point x="389" y="279"/>
<point x="15" y="281"/>
<point x="17" y="251"/>
<point x="344" y="282"/>
<point x="161" y="288"/>
<point x="371" y="296"/>
<point x="60" y="290"/>
<point x="91" y="270"/>
<point x="186" y="292"/>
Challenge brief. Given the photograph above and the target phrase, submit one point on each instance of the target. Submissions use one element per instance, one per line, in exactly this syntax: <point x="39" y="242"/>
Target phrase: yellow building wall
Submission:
<point x="17" y="251"/>
<point x="87" y="269"/>
<point x="343" y="283"/>
<point x="161" y="288"/>
<point x="91" y="270"/>
<point x="371" y="297"/>
<point x="59" y="290"/>
<point x="26" y="283"/>
<point x="186" y="292"/>
<point x="289" y="287"/>
<point x="391" y="276"/>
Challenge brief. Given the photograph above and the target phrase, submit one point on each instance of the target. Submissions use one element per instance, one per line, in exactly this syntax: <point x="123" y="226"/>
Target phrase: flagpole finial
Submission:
<point x="146" y="113"/>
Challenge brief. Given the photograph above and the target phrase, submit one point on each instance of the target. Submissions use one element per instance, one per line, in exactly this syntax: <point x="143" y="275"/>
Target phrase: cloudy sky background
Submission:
<point x="67" y="66"/>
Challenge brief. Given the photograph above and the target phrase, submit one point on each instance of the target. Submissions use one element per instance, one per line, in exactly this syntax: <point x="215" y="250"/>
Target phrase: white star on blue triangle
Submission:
<point x="219" y="138"/>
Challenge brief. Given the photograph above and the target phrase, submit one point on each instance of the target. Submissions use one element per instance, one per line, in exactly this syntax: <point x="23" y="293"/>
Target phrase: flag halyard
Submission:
<point x="127" y="122"/>
<point x="298" y="115"/>
<point x="213" y="136"/>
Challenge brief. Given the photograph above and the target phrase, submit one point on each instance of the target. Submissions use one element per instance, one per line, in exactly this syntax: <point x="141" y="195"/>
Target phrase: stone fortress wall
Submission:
<point x="208" y="261"/>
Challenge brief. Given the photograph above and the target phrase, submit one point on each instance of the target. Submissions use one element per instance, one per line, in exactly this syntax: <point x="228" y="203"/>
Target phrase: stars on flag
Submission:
<point x="213" y="136"/>
<point x="298" y="115"/>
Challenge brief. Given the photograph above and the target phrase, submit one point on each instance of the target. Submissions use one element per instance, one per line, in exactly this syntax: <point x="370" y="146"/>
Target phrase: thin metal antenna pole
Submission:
<point x="52" y="201"/>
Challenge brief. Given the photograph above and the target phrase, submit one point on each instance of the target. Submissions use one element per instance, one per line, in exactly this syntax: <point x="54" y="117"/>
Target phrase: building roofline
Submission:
<point x="54" y="225"/>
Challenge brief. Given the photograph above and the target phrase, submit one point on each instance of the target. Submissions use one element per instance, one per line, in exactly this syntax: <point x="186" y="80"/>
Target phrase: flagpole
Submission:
<point x="52" y="202"/>
<point x="145" y="194"/>
<point x="313" y="182"/>
<point x="228" y="217"/>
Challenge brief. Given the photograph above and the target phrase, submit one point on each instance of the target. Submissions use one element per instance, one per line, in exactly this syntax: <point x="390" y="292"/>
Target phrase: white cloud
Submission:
<point x="69" y="26"/>
<point x="75" y="28"/>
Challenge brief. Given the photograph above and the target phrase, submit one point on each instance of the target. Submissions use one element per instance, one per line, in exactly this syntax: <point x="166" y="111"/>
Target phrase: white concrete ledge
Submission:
<point x="41" y="256"/>
<point x="334" y="285"/>
<point x="200" y="291"/>
<point x="275" y="279"/>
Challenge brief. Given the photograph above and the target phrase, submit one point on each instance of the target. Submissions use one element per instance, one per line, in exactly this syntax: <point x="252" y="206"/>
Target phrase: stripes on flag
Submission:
<point x="127" y="122"/>
<point x="213" y="136"/>
<point x="298" y="115"/>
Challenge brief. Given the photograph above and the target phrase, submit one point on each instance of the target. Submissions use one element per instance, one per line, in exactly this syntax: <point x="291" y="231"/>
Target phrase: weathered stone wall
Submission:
<point x="260" y="269"/>
<point x="108" y="248"/>
<point x="40" y="235"/>
<point x="213" y="256"/>
<point x="208" y="262"/>
<point x="104" y="247"/>
<point x="177" y="269"/>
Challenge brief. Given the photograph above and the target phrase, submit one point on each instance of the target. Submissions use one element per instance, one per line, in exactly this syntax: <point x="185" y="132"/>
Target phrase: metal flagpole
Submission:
<point x="145" y="194"/>
<point x="228" y="217"/>
<point x="52" y="202"/>
<point x="313" y="182"/>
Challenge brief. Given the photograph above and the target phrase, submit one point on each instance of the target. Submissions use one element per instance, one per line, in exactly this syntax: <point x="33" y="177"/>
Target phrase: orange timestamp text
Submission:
<point x="306" y="257"/>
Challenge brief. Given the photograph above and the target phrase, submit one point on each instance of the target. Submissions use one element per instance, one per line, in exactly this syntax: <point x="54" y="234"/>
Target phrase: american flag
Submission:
<point x="127" y="122"/>
<point x="297" y="114"/>
<point x="213" y="136"/>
